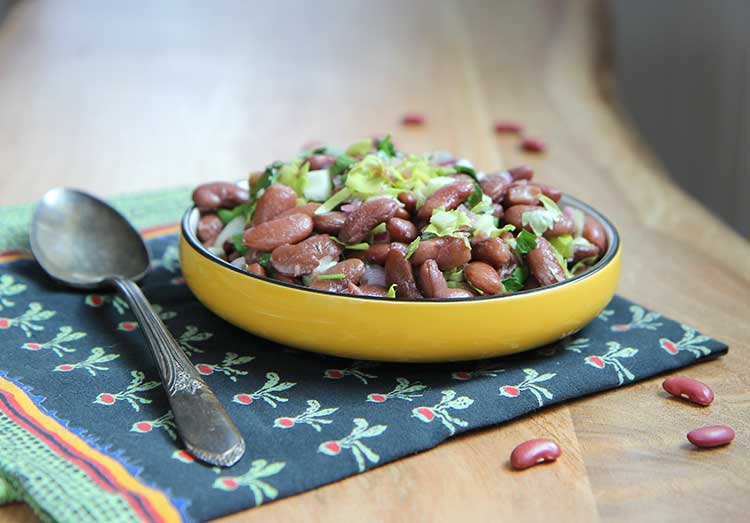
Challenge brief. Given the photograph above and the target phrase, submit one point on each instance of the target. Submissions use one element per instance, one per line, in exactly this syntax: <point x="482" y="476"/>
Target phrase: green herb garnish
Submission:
<point x="239" y="246"/>
<point x="227" y="215"/>
<point x="515" y="281"/>
<point x="386" y="147"/>
<point x="391" y="291"/>
<point x="265" y="260"/>
<point x="343" y="162"/>
<point x="466" y="169"/>
<point x="475" y="198"/>
<point x="525" y="242"/>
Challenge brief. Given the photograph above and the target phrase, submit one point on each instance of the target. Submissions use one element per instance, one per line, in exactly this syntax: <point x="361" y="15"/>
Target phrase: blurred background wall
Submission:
<point x="683" y="73"/>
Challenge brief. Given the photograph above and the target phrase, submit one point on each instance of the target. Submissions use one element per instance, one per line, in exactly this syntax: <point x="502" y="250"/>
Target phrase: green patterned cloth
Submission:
<point x="142" y="209"/>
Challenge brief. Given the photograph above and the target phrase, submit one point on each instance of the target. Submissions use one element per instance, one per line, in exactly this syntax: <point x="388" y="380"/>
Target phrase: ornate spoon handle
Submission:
<point x="203" y="424"/>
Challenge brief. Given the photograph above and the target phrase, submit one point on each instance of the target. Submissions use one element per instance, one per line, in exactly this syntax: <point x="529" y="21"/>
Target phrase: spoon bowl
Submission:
<point x="105" y="244"/>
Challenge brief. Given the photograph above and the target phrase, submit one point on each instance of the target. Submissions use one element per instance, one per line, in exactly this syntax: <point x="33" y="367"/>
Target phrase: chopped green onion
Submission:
<point x="331" y="276"/>
<point x="475" y="198"/>
<point x="515" y="281"/>
<point x="269" y="176"/>
<point x="227" y="215"/>
<point x="525" y="242"/>
<point x="466" y="169"/>
<point x="412" y="248"/>
<point x="265" y="260"/>
<point x="391" y="291"/>
<point x="380" y="228"/>
<point x="357" y="246"/>
<point x="239" y="246"/>
<point x="343" y="162"/>
<point x="385" y="146"/>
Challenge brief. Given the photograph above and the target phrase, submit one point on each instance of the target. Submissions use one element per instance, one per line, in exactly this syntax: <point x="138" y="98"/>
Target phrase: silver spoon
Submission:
<point x="82" y="242"/>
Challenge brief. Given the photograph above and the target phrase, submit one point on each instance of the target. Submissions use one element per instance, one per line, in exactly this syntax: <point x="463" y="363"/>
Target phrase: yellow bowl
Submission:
<point x="394" y="329"/>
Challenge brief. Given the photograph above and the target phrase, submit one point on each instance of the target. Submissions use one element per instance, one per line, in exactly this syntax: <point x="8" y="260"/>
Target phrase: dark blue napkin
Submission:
<point x="86" y="433"/>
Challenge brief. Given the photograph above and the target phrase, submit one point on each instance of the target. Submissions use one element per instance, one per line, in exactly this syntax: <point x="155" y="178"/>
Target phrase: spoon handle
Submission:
<point x="203" y="424"/>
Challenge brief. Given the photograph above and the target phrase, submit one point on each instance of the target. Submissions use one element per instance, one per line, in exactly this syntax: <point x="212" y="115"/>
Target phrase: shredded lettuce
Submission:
<point x="334" y="201"/>
<point x="484" y="206"/>
<point x="391" y="291"/>
<point x="455" y="275"/>
<point x="525" y="242"/>
<point x="359" y="148"/>
<point x="372" y="177"/>
<point x="446" y="223"/>
<point x="294" y="175"/>
<point x="484" y="226"/>
<point x="541" y="220"/>
<point x="339" y="276"/>
<point x="412" y="248"/>
<point x="564" y="245"/>
<point x="581" y="242"/>
<point x="583" y="263"/>
<point x="578" y="220"/>
<point x="561" y="261"/>
<point x="318" y="186"/>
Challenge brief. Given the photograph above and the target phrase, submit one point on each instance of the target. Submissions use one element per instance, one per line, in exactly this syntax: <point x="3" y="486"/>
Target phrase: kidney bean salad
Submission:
<point x="372" y="220"/>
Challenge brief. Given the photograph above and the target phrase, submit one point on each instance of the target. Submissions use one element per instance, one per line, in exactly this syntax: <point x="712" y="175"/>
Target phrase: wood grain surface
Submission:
<point x="115" y="97"/>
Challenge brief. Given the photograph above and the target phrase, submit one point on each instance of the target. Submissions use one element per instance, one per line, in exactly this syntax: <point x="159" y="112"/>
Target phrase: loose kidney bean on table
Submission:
<point x="438" y="228"/>
<point x="711" y="436"/>
<point x="534" y="452"/>
<point x="688" y="388"/>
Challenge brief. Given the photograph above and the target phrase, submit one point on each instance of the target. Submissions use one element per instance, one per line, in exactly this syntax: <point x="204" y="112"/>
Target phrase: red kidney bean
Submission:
<point x="373" y="290"/>
<point x="426" y="250"/>
<point x="402" y="213"/>
<point x="409" y="200"/>
<point x="581" y="252"/>
<point x="448" y="196"/>
<point x="594" y="232"/>
<point x="308" y="209"/>
<point x="533" y="145"/>
<point x="483" y="277"/>
<point x="413" y="119"/>
<point x="305" y="256"/>
<point x="276" y="199"/>
<point x="209" y="228"/>
<point x="521" y="172"/>
<point x="522" y="193"/>
<point x="256" y="268"/>
<point x="565" y="225"/>
<point x="400" y="247"/>
<point x="495" y="185"/>
<point x="401" y="230"/>
<point x="452" y="254"/>
<point x="508" y="127"/>
<point x="533" y="452"/>
<point x="269" y="235"/>
<point x="497" y="210"/>
<point x="329" y="222"/>
<point x="711" y="436"/>
<point x="431" y="280"/>
<point x="287" y="279"/>
<point x="219" y="195"/>
<point x="398" y="272"/>
<point x="493" y="251"/>
<point x="543" y="264"/>
<point x="353" y="290"/>
<point x="549" y="191"/>
<point x="531" y="283"/>
<point x="353" y="269"/>
<point x="321" y="161"/>
<point x="360" y="222"/>
<point x="693" y="390"/>
<point x="455" y="294"/>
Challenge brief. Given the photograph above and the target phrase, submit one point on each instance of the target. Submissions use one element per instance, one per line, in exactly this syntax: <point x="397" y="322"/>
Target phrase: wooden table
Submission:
<point x="118" y="97"/>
